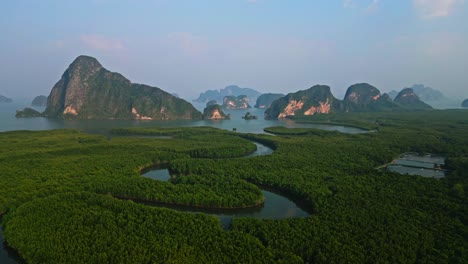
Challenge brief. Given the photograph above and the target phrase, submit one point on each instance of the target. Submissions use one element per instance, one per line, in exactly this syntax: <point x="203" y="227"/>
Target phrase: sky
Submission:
<point x="280" y="46"/>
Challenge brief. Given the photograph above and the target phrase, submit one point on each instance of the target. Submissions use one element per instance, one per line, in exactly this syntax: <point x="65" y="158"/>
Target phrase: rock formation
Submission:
<point x="40" y="100"/>
<point x="365" y="97"/>
<point x="212" y="102"/>
<point x="361" y="97"/>
<point x="28" y="112"/>
<point x="234" y="90"/>
<point x="89" y="91"/>
<point x="408" y="99"/>
<point x="265" y="100"/>
<point x="214" y="112"/>
<point x="315" y="100"/>
<point x="249" y="116"/>
<point x="234" y="103"/>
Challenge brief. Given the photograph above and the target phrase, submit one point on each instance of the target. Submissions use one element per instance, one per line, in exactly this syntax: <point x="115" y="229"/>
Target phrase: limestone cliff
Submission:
<point x="234" y="90"/>
<point x="234" y="103"/>
<point x="365" y="97"/>
<point x="89" y="91"/>
<point x="214" y="112"/>
<point x="40" y="100"/>
<point x="407" y="99"/>
<point x="265" y="100"/>
<point x="315" y="100"/>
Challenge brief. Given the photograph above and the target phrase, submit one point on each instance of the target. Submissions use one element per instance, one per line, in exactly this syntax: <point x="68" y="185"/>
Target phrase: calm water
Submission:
<point x="8" y="122"/>
<point x="275" y="206"/>
<point x="7" y="255"/>
<point x="422" y="165"/>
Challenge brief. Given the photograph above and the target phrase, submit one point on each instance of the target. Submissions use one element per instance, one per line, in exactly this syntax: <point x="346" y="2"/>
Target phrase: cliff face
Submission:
<point x="235" y="103"/>
<point x="362" y="93"/>
<point x="408" y="99"/>
<point x="359" y="98"/>
<point x="231" y="90"/>
<point x="365" y="97"/>
<point x="89" y="91"/>
<point x="317" y="99"/>
<point x="214" y="112"/>
<point x="265" y="100"/>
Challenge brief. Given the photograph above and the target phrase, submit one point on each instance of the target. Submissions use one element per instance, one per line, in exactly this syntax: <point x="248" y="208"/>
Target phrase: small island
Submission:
<point x="249" y="116"/>
<point x="214" y="112"/>
<point x="28" y="112"/>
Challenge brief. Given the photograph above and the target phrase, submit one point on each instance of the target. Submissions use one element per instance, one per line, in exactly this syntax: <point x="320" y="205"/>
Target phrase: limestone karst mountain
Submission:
<point x="89" y="91"/>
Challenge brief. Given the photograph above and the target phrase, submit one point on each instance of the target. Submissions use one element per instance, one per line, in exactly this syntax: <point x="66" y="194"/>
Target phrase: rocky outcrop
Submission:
<point x="265" y="100"/>
<point x="214" y="112"/>
<point x="231" y="90"/>
<point x="315" y="100"/>
<point x="362" y="94"/>
<point x="236" y="103"/>
<point x="465" y="103"/>
<point x="89" y="91"/>
<point x="28" y="112"/>
<point x="40" y="100"/>
<point x="4" y="99"/>
<point x="361" y="97"/>
<point x="249" y="116"/>
<point x="365" y="97"/>
<point x="407" y="99"/>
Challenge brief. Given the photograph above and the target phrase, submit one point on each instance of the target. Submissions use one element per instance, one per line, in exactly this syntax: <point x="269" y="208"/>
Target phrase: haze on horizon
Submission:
<point x="188" y="47"/>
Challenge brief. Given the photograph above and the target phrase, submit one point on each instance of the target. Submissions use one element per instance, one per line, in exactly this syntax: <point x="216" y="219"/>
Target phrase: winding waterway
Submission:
<point x="8" y="255"/>
<point x="275" y="206"/>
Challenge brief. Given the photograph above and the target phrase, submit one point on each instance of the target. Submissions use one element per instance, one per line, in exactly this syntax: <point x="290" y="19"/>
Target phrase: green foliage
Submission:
<point x="62" y="189"/>
<point x="27" y="112"/>
<point x="85" y="227"/>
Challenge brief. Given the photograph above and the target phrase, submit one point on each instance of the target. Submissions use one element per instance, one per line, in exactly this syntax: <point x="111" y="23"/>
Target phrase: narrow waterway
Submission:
<point x="8" y="255"/>
<point x="276" y="206"/>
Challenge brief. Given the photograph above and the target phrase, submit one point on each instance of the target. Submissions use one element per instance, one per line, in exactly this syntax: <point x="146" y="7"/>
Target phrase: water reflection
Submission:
<point x="9" y="122"/>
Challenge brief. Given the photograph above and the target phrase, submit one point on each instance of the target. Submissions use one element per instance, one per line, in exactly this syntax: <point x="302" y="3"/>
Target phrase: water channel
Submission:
<point x="275" y="206"/>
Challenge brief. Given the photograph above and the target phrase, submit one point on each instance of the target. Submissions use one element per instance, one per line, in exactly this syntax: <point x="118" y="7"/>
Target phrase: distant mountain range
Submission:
<point x="4" y="99"/>
<point x="231" y="90"/>
<point x="40" y="100"/>
<point x="359" y="98"/>
<point x="431" y="96"/>
<point x="89" y="91"/>
<point x="265" y="100"/>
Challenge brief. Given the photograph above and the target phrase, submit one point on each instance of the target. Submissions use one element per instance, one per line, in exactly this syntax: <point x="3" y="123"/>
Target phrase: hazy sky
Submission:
<point x="270" y="45"/>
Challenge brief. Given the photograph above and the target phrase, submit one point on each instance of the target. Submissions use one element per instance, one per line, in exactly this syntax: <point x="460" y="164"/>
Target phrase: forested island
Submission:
<point x="72" y="197"/>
